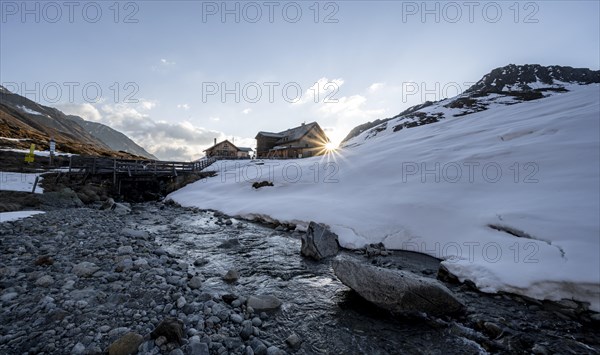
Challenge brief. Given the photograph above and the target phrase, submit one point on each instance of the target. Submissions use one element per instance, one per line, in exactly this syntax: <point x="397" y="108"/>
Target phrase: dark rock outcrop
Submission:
<point x="521" y="75"/>
<point x="319" y="242"/>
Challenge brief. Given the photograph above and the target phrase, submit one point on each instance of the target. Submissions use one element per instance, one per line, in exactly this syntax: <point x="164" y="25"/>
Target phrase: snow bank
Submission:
<point x="508" y="197"/>
<point x="40" y="153"/>
<point x="13" y="216"/>
<point x="10" y="181"/>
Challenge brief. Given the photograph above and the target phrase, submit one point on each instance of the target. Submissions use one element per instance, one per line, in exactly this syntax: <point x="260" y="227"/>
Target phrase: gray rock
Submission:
<point x="85" y="269"/>
<point x="140" y="263"/>
<point x="492" y="329"/>
<point x="195" y="282"/>
<point x="236" y="318"/>
<point x="396" y="290"/>
<point x="44" y="281"/>
<point x="231" y="276"/>
<point x="124" y="264"/>
<point x="160" y="340"/>
<point x="195" y="347"/>
<point x="260" y="349"/>
<point x="273" y="350"/>
<point x="246" y="330"/>
<point x="120" y="208"/>
<point x="118" y="332"/>
<point x="293" y="340"/>
<point x="176" y="352"/>
<point x="134" y="233"/>
<point x="125" y="249"/>
<point x="318" y="242"/>
<point x="256" y="322"/>
<point x="181" y="302"/>
<point x="66" y="198"/>
<point x="9" y="296"/>
<point x="229" y="243"/>
<point x="78" y="349"/>
<point x="170" y="328"/>
<point x="160" y="251"/>
<point x="104" y="329"/>
<point x="263" y="302"/>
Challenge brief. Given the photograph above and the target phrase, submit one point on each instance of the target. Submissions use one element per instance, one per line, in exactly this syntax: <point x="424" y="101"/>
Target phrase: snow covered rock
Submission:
<point x="396" y="290"/>
<point x="318" y="242"/>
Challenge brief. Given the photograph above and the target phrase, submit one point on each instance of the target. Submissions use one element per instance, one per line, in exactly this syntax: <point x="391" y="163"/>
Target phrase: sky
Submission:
<point x="175" y="75"/>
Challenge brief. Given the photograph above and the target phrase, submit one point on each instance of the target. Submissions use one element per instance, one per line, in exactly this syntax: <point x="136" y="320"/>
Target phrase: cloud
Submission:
<point x="376" y="86"/>
<point x="166" y="62"/>
<point x="182" y="141"/>
<point x="86" y="111"/>
<point x="184" y="106"/>
<point x="217" y="119"/>
<point x="322" y="90"/>
<point x="246" y="111"/>
<point x="147" y="104"/>
<point x="349" y="107"/>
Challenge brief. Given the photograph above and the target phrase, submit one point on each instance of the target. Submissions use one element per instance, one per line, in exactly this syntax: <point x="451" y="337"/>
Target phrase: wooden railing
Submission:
<point x="97" y="165"/>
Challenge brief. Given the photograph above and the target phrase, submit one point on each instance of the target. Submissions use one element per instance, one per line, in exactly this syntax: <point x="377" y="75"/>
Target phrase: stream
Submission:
<point x="332" y="319"/>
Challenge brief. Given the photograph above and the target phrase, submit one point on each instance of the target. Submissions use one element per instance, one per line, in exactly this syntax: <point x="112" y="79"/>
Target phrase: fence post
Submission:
<point x="35" y="184"/>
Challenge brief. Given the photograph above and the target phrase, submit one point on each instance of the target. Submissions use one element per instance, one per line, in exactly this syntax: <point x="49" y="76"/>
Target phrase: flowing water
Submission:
<point x="328" y="316"/>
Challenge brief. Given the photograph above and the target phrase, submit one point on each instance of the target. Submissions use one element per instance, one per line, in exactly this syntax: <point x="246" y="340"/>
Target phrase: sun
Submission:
<point x="330" y="146"/>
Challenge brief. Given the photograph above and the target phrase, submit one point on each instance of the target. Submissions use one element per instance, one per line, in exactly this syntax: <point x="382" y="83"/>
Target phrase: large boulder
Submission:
<point x="319" y="242"/>
<point x="396" y="290"/>
<point x="66" y="198"/>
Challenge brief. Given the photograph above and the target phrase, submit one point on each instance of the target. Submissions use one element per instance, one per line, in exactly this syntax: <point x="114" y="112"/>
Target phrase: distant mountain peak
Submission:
<point x="532" y="76"/>
<point x="506" y="85"/>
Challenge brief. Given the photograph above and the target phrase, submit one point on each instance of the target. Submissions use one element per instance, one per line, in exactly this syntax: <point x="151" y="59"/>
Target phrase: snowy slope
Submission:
<point x="509" y="196"/>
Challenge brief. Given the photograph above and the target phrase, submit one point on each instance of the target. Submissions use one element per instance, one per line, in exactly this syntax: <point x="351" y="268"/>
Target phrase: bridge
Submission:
<point x="128" y="175"/>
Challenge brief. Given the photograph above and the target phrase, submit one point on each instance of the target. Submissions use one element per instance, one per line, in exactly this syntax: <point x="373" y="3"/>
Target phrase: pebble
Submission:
<point x="80" y="304"/>
<point x="126" y="249"/>
<point x="181" y="302"/>
<point x="44" y="281"/>
<point x="195" y="282"/>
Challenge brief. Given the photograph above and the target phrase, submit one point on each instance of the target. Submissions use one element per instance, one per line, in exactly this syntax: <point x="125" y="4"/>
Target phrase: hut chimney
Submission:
<point x="215" y="141"/>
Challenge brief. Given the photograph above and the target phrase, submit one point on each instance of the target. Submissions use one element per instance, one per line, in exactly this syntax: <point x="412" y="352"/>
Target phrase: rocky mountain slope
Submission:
<point x="506" y="85"/>
<point x="23" y="121"/>
<point x="111" y="137"/>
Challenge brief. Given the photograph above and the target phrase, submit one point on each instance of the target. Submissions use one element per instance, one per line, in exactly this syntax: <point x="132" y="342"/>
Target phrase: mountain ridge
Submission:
<point x="24" y="121"/>
<point x="518" y="82"/>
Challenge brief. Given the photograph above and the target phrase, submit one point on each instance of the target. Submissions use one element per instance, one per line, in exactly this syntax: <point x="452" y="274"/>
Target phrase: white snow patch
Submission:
<point x="13" y="216"/>
<point x="11" y="181"/>
<point x="14" y="139"/>
<point x="41" y="153"/>
<point x="30" y="111"/>
<point x="532" y="168"/>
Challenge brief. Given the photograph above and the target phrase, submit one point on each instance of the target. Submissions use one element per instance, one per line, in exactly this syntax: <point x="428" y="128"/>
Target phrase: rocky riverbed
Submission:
<point x="167" y="280"/>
